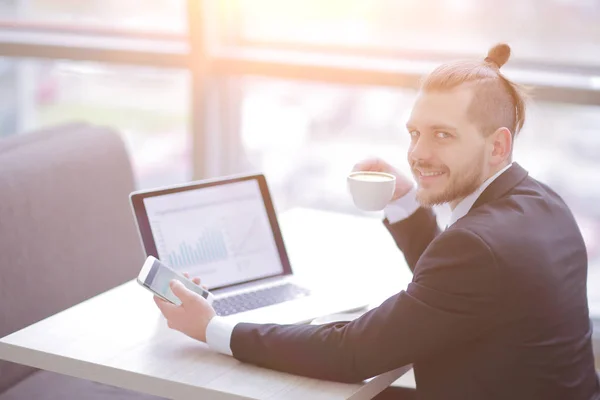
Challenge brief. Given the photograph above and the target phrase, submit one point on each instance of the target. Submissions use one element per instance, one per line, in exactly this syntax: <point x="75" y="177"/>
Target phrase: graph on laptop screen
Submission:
<point x="220" y="233"/>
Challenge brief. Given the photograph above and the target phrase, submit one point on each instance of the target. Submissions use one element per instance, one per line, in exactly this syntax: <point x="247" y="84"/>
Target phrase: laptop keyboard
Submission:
<point x="259" y="298"/>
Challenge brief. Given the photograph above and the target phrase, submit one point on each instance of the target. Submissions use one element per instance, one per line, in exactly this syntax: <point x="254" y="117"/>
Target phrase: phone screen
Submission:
<point x="160" y="276"/>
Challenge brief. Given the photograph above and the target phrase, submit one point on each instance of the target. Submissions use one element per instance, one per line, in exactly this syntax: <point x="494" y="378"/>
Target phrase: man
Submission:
<point x="497" y="308"/>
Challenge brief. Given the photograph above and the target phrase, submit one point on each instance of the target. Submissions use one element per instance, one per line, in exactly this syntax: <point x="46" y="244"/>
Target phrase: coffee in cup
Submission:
<point x="370" y="190"/>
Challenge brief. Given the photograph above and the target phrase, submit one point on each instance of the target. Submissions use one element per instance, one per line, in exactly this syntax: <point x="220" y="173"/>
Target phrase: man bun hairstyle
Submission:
<point x="498" y="55"/>
<point x="497" y="102"/>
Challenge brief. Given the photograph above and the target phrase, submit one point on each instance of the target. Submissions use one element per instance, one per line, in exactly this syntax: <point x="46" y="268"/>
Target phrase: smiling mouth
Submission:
<point x="427" y="174"/>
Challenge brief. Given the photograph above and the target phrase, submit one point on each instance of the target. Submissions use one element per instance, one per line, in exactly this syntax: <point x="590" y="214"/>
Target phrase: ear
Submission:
<point x="500" y="143"/>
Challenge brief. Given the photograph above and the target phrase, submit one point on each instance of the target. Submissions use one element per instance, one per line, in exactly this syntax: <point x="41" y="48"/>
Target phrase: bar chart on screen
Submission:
<point x="221" y="234"/>
<point x="229" y="238"/>
<point x="208" y="247"/>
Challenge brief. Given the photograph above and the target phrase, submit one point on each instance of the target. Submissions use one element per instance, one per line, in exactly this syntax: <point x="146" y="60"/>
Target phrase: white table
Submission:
<point x="120" y="338"/>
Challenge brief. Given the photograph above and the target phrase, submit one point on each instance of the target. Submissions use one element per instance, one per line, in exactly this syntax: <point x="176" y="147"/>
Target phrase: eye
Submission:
<point x="414" y="134"/>
<point x="442" y="135"/>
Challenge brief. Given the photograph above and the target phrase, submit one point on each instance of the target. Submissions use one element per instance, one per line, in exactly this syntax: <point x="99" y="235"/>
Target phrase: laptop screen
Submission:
<point x="220" y="233"/>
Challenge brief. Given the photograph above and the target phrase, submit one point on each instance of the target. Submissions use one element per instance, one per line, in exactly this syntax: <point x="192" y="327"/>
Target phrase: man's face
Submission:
<point x="447" y="151"/>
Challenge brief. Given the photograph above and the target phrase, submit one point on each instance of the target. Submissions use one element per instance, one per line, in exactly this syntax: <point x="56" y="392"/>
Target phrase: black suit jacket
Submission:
<point x="497" y="308"/>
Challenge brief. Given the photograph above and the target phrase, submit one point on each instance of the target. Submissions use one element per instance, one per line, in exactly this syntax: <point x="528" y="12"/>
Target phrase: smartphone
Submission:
<point x="156" y="276"/>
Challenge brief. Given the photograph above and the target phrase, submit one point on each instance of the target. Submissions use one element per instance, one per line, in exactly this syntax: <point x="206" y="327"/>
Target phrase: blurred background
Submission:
<point x="300" y="89"/>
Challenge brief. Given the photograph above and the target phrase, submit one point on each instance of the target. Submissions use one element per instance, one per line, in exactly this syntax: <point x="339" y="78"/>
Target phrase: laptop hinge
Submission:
<point x="250" y="286"/>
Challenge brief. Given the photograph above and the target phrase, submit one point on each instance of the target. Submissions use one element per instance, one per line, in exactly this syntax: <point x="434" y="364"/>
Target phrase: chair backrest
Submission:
<point x="66" y="229"/>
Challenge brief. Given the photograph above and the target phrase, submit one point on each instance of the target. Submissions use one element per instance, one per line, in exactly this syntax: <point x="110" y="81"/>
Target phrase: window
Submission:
<point x="148" y="106"/>
<point x="131" y="15"/>
<point x="428" y="26"/>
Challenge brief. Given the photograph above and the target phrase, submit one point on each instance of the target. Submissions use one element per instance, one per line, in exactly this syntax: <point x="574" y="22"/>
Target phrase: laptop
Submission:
<point x="226" y="232"/>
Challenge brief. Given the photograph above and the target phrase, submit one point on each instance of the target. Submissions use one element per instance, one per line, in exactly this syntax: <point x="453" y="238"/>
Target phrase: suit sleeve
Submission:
<point x="450" y="301"/>
<point x="413" y="234"/>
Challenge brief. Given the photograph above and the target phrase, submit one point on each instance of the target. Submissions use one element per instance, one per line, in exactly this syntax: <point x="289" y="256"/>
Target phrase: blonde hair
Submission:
<point x="497" y="102"/>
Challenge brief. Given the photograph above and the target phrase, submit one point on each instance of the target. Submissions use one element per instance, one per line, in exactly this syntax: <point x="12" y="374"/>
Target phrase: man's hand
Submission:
<point x="403" y="183"/>
<point x="192" y="316"/>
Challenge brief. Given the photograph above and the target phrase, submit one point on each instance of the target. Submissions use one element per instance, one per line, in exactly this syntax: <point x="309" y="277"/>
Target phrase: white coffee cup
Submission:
<point x="370" y="190"/>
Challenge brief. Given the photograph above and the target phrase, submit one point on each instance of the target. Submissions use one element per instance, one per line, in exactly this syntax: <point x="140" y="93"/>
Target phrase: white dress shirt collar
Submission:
<point x="465" y="205"/>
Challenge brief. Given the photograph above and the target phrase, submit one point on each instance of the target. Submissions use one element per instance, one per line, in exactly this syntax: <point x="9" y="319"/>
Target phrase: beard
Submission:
<point x="461" y="183"/>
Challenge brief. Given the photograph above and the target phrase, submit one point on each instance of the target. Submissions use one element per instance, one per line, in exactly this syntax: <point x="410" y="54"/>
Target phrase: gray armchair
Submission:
<point x="66" y="234"/>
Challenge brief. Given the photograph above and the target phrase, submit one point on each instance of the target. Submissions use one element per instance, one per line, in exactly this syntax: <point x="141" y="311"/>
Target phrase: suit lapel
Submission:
<point x="502" y="184"/>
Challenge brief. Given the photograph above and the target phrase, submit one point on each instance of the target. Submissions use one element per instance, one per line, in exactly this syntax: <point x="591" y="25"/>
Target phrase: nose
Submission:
<point x="419" y="151"/>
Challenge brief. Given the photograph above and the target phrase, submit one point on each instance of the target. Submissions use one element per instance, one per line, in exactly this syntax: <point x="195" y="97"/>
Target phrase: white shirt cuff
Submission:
<point x="402" y="208"/>
<point x="218" y="335"/>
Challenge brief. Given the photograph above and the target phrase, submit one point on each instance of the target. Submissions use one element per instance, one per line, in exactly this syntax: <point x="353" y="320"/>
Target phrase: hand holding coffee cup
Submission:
<point x="373" y="184"/>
